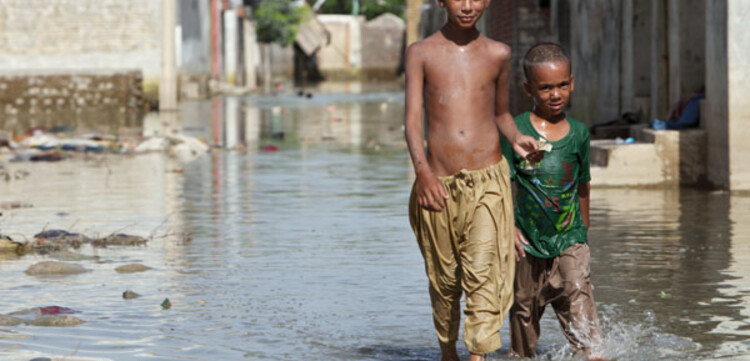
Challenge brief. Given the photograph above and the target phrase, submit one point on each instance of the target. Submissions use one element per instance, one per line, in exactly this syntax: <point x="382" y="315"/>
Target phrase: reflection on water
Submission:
<point x="305" y="253"/>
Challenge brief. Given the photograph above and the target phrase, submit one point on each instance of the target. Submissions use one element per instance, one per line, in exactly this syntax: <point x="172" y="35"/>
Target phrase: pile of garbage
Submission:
<point x="38" y="145"/>
<point x="57" y="240"/>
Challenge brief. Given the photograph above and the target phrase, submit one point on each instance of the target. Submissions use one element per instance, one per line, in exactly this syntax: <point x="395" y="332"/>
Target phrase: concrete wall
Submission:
<point x="738" y="76"/>
<point x="692" y="52"/>
<point x="78" y="35"/>
<point x="195" y="24"/>
<point x="382" y="45"/>
<point x="716" y="92"/>
<point x="344" y="53"/>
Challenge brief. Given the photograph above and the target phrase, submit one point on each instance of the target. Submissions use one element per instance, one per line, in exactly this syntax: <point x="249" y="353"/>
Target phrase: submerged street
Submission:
<point x="291" y="241"/>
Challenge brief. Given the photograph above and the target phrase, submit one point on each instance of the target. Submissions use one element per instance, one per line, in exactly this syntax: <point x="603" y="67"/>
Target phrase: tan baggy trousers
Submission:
<point x="469" y="247"/>
<point x="563" y="281"/>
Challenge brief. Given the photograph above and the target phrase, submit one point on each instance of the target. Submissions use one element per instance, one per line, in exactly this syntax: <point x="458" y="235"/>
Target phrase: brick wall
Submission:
<point x="84" y="100"/>
<point x="501" y="21"/>
<point x="80" y="35"/>
<point x="520" y="24"/>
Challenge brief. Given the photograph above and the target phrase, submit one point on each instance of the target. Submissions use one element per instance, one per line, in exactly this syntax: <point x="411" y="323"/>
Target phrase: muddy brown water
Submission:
<point x="305" y="253"/>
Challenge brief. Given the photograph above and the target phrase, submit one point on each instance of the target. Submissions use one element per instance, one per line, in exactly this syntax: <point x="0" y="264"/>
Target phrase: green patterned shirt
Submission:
<point x="547" y="208"/>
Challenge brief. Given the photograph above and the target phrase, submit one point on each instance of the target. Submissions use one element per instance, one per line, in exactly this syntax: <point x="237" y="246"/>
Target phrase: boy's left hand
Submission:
<point x="528" y="148"/>
<point x="520" y="241"/>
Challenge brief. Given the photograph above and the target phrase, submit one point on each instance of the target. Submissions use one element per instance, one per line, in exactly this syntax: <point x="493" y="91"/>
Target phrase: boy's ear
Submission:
<point x="441" y="3"/>
<point x="527" y="88"/>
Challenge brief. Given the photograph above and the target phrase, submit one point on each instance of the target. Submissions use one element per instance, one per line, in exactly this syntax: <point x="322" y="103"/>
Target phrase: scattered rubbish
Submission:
<point x="270" y="148"/>
<point x="664" y="294"/>
<point x="182" y="147"/>
<point x="132" y="268"/>
<point x="46" y="157"/>
<point x="166" y="304"/>
<point x="629" y="140"/>
<point x="202" y="302"/>
<point x="55" y="240"/>
<point x="20" y="174"/>
<point x="14" y="205"/>
<point x="129" y="295"/>
<point x="59" y="241"/>
<point x="56" y="310"/>
<point x="7" y="244"/>
<point x="119" y="239"/>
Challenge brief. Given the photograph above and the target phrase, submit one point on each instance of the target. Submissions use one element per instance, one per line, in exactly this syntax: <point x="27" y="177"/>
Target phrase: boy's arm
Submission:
<point x="584" y="191"/>
<point x="430" y="192"/>
<point x="522" y="144"/>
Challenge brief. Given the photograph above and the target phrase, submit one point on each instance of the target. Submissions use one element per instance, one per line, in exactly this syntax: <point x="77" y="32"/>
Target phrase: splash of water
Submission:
<point x="623" y="341"/>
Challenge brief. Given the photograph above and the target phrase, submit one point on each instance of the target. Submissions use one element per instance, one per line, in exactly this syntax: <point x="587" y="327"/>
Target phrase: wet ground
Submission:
<point x="299" y="248"/>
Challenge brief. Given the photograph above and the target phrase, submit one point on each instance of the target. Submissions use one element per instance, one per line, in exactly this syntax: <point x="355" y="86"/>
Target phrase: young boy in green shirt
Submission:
<point x="552" y="211"/>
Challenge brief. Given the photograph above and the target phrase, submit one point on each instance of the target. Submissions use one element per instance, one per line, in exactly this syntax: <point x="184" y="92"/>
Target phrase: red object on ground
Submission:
<point x="269" y="148"/>
<point x="56" y="310"/>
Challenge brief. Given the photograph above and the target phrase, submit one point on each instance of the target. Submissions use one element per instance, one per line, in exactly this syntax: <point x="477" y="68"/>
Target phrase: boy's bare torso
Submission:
<point x="460" y="92"/>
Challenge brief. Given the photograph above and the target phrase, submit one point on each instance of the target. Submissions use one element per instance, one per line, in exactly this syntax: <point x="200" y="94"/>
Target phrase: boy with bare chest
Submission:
<point x="461" y="207"/>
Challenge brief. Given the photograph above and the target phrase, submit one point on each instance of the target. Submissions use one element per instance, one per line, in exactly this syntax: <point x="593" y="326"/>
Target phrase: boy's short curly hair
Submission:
<point x="543" y="53"/>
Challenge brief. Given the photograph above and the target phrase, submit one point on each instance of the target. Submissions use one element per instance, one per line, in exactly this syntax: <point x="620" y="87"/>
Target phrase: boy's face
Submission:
<point x="464" y="13"/>
<point x="550" y="85"/>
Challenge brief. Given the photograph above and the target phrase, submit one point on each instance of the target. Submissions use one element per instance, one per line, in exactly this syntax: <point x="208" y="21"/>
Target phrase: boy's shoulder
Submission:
<point x="434" y="42"/>
<point x="496" y="49"/>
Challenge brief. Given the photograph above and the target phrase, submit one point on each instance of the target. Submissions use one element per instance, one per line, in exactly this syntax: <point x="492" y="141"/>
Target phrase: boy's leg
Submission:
<point x="488" y="268"/>
<point x="527" y="309"/>
<point x="441" y="265"/>
<point x="575" y="308"/>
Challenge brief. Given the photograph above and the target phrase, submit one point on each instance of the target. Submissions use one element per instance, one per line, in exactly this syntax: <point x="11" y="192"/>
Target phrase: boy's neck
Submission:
<point x="549" y="118"/>
<point x="459" y="35"/>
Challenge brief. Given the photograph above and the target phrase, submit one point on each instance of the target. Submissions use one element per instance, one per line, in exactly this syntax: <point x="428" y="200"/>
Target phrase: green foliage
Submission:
<point x="369" y="8"/>
<point x="278" y="21"/>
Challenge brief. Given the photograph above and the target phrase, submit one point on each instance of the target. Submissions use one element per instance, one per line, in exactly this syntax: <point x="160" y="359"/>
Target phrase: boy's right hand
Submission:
<point x="431" y="194"/>
<point x="520" y="241"/>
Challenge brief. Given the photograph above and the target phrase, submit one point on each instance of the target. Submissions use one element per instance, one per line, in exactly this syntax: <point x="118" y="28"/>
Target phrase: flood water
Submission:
<point x="304" y="252"/>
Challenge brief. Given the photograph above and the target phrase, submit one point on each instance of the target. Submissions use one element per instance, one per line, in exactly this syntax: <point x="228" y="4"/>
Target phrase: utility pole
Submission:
<point x="413" y="15"/>
<point x="355" y="7"/>
<point x="168" y="81"/>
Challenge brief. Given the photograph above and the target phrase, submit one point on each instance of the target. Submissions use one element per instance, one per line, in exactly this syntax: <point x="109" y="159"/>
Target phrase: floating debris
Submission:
<point x="129" y="295"/>
<point x="119" y="239"/>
